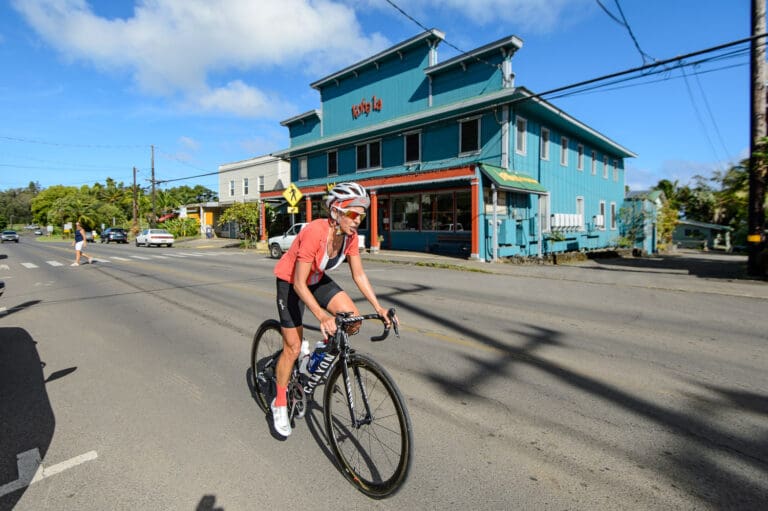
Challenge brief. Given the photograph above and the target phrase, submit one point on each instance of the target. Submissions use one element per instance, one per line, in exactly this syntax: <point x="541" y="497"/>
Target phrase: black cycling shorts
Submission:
<point x="290" y="308"/>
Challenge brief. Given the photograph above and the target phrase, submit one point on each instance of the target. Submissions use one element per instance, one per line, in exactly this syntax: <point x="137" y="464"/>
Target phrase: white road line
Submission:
<point x="54" y="263"/>
<point x="140" y="257"/>
<point x="177" y="255"/>
<point x="194" y="254"/>
<point x="3" y="310"/>
<point x="4" y="267"/>
<point x="29" y="265"/>
<point x="31" y="469"/>
<point x="160" y="257"/>
<point x="116" y="258"/>
<point x="99" y="260"/>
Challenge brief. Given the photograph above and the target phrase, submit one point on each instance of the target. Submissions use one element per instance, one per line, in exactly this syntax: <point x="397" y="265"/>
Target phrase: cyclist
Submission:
<point x="321" y="246"/>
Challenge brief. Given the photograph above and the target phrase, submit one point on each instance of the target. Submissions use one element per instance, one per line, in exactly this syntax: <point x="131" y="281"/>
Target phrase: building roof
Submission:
<point x="433" y="37"/>
<point x="704" y="225"/>
<point x="506" y="46"/>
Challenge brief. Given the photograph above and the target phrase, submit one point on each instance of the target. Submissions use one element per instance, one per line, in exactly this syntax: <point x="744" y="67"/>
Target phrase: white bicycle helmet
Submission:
<point x="347" y="195"/>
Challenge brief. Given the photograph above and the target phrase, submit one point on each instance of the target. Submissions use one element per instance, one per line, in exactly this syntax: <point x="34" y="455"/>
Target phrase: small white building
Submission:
<point x="244" y="181"/>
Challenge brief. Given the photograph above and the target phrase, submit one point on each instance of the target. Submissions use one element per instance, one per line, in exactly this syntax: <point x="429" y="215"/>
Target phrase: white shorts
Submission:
<point x="79" y="246"/>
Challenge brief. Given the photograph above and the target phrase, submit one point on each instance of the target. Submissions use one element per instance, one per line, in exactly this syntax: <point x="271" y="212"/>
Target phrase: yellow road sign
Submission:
<point x="292" y="194"/>
<point x="293" y="209"/>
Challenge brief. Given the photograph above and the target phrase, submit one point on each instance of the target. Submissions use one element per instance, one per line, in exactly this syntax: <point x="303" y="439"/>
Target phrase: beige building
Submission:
<point x="244" y="181"/>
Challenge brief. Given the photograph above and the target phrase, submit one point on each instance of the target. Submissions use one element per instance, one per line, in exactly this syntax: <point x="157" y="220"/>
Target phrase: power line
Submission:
<point x="82" y="146"/>
<point x="624" y="23"/>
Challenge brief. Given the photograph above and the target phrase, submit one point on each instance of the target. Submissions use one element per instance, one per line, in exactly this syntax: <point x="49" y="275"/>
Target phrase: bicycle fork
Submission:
<point x="357" y="424"/>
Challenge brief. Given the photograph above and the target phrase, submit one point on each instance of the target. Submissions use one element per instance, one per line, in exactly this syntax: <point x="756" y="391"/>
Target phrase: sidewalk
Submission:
<point x="684" y="271"/>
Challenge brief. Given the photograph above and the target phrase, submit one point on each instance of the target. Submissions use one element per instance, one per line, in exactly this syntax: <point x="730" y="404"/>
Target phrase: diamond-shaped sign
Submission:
<point x="292" y="194"/>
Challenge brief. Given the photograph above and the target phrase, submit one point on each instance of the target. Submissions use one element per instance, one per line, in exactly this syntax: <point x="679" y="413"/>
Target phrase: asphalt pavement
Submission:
<point x="683" y="270"/>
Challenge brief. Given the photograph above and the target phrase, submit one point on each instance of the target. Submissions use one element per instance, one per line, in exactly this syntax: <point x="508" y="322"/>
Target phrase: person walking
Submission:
<point x="79" y="243"/>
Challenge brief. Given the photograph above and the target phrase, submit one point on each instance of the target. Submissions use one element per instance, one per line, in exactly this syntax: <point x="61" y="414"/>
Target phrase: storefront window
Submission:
<point x="463" y="211"/>
<point x="405" y="212"/>
<point x="437" y="212"/>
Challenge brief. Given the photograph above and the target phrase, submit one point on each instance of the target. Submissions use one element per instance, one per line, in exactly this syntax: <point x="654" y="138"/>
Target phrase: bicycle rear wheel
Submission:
<point x="266" y="349"/>
<point x="375" y="450"/>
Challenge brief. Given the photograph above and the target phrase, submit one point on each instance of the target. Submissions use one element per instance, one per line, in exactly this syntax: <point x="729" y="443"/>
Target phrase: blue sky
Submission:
<point x="88" y="86"/>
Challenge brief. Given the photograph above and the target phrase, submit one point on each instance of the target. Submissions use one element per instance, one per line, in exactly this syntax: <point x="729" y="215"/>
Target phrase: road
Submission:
<point x="526" y="391"/>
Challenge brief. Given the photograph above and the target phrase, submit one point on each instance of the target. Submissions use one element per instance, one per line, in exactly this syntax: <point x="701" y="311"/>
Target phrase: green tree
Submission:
<point x="246" y="215"/>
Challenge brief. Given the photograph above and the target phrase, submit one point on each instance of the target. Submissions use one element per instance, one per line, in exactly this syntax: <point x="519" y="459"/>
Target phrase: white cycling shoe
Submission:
<point x="280" y="419"/>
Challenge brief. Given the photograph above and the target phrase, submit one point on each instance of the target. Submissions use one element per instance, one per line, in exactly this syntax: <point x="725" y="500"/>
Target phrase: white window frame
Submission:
<point x="261" y="184"/>
<point x="613" y="216"/>
<point x="231" y="187"/>
<point x="580" y="211"/>
<point x="564" y="151"/>
<point x="580" y="157"/>
<point x="405" y="146"/>
<point x="544" y="147"/>
<point x="462" y="122"/>
<point x="616" y="170"/>
<point x="594" y="163"/>
<point x="303" y="172"/>
<point x="245" y="186"/>
<point x="605" y="167"/>
<point x="521" y="135"/>
<point x="544" y="209"/>
<point x="602" y="213"/>
<point x="367" y="146"/>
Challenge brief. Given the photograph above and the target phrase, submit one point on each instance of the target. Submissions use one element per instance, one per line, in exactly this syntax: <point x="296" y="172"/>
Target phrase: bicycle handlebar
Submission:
<point x="343" y="318"/>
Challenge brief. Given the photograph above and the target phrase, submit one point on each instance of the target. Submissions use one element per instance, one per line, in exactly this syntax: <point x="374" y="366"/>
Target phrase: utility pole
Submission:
<point x="154" y="217"/>
<point x="757" y="164"/>
<point x="135" y="228"/>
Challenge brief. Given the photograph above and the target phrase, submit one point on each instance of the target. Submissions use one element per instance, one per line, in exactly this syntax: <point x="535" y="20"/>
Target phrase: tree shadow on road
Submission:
<point x="702" y="265"/>
<point x="696" y="436"/>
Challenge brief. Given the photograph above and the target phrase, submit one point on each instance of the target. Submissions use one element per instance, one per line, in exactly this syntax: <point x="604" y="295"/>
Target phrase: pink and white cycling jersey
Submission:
<point x="310" y="246"/>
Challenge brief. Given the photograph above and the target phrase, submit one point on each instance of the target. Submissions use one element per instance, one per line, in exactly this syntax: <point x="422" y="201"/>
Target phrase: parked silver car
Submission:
<point x="149" y="237"/>
<point x="9" y="236"/>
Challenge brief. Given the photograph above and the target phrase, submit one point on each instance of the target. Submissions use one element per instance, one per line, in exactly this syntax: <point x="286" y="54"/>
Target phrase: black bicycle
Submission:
<point x="366" y="419"/>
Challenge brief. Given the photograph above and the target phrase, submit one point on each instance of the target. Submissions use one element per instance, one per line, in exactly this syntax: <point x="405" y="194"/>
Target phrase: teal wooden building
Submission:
<point x="458" y="157"/>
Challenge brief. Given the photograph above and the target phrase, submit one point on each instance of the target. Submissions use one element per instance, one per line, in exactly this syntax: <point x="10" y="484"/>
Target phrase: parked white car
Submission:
<point x="149" y="237"/>
<point x="279" y="244"/>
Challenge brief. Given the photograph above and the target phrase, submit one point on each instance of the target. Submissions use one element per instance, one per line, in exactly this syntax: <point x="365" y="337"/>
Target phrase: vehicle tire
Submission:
<point x="137" y="243"/>
<point x="275" y="251"/>
<point x="265" y="350"/>
<point x="374" y="454"/>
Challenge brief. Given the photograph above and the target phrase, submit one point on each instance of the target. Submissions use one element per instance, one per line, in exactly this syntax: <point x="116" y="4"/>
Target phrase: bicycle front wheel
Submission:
<point x="266" y="349"/>
<point x="371" y="436"/>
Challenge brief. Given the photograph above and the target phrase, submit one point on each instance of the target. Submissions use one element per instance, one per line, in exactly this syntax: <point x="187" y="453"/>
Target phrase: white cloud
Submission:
<point x="174" y="46"/>
<point x="239" y="99"/>
<point x="521" y="16"/>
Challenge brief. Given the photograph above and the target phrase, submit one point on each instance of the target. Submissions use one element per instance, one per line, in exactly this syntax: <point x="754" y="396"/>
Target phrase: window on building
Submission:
<point x="580" y="157"/>
<point x="463" y="211"/>
<point x="437" y="212"/>
<point x="602" y="214"/>
<point x="469" y="136"/>
<point x="594" y="163"/>
<point x="333" y="163"/>
<point x="412" y="147"/>
<point x="564" y="151"/>
<point x="605" y="167"/>
<point x="580" y="211"/>
<point x="261" y="184"/>
<point x="544" y="150"/>
<point x="521" y="135"/>
<point x="613" y="216"/>
<point x="544" y="213"/>
<point x="245" y="186"/>
<point x="303" y="167"/>
<point x="405" y="212"/>
<point x="616" y="170"/>
<point x="369" y="155"/>
<point x="232" y="188"/>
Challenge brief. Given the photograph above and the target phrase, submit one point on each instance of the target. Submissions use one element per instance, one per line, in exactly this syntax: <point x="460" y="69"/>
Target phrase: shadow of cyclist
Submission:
<point x="26" y="417"/>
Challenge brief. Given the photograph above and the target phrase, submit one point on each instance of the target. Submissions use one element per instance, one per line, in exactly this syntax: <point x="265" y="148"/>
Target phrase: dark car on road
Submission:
<point x="114" y="234"/>
<point x="9" y="236"/>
